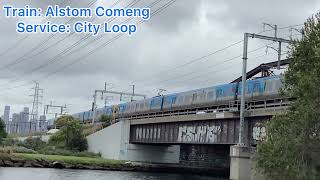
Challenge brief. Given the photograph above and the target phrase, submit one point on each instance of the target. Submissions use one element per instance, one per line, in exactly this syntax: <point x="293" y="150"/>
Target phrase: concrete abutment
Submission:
<point x="113" y="142"/>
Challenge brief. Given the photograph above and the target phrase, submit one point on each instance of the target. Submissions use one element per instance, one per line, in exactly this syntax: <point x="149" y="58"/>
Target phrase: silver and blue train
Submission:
<point x="257" y="89"/>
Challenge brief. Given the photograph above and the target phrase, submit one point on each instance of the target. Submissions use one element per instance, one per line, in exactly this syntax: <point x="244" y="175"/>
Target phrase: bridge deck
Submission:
<point x="224" y="111"/>
<point x="205" y="126"/>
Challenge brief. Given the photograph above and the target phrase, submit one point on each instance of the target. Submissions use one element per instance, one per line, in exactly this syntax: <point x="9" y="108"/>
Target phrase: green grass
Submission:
<point x="71" y="159"/>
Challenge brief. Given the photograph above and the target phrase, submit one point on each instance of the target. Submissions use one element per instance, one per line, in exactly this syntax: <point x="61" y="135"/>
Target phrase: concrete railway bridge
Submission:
<point x="198" y="137"/>
<point x="194" y="137"/>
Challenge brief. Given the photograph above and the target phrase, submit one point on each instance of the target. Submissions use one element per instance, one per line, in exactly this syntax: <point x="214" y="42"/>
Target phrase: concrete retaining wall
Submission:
<point x="107" y="142"/>
<point x="113" y="143"/>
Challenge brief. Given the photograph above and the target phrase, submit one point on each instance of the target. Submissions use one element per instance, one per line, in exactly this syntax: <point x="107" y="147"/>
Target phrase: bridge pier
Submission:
<point x="242" y="164"/>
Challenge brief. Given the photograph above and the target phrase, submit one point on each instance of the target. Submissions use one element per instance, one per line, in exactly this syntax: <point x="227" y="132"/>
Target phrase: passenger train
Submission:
<point x="256" y="89"/>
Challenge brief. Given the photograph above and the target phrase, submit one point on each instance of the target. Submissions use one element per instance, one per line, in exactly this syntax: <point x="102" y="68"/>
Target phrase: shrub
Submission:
<point x="52" y="150"/>
<point x="21" y="149"/>
<point x="3" y="133"/>
<point x="33" y="143"/>
<point x="17" y="149"/>
<point x="10" y="142"/>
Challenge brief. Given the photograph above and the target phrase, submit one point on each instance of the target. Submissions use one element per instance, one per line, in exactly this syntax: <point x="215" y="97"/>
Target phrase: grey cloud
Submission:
<point x="248" y="14"/>
<point x="186" y="30"/>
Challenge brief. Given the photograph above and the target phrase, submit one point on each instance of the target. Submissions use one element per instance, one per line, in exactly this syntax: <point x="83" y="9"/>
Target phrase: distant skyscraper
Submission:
<point x="43" y="124"/>
<point x="25" y="120"/>
<point x="14" y="123"/>
<point x="6" y="117"/>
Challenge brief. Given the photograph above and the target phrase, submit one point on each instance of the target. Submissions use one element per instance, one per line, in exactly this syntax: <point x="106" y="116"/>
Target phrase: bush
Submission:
<point x="33" y="143"/>
<point x="3" y="133"/>
<point x="10" y="142"/>
<point x="21" y="149"/>
<point x="17" y="149"/>
<point x="52" y="150"/>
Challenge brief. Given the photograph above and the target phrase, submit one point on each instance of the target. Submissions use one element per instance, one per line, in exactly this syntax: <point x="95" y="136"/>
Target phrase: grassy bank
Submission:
<point x="70" y="159"/>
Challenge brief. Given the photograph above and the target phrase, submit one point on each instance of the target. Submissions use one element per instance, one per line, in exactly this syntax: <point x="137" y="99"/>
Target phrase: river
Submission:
<point x="63" y="174"/>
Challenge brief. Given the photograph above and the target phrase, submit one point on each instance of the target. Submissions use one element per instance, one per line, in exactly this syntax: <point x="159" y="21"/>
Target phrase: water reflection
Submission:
<point x="57" y="174"/>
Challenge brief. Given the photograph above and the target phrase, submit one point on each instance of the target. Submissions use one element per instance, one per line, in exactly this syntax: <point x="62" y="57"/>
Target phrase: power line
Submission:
<point x="19" y="42"/>
<point x="215" y="65"/>
<point x="56" y="58"/>
<point x="208" y="67"/>
<point x="28" y="55"/>
<point x="212" y="53"/>
<point x="108" y="42"/>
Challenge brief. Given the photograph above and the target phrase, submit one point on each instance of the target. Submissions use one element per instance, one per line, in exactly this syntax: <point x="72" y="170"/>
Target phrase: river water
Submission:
<point x="57" y="174"/>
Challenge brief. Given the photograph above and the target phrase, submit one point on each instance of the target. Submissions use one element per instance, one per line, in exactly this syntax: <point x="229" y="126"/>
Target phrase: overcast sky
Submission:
<point x="153" y="58"/>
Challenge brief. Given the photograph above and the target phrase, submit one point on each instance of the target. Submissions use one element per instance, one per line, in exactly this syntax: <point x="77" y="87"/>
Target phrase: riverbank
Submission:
<point x="71" y="162"/>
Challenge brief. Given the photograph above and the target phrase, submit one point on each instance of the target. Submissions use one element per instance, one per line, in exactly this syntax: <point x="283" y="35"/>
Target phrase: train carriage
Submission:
<point x="156" y="103"/>
<point x="169" y="101"/>
<point x="257" y="89"/>
<point x="143" y="106"/>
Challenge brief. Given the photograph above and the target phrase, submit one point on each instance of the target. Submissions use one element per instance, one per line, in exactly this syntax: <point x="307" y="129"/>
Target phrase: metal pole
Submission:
<point x="133" y="86"/>
<point x="279" y="55"/>
<point x="243" y="89"/>
<point x="94" y="106"/>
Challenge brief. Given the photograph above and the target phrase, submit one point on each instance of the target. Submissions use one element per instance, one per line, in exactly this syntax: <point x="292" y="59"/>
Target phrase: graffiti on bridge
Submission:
<point x="199" y="134"/>
<point x="259" y="132"/>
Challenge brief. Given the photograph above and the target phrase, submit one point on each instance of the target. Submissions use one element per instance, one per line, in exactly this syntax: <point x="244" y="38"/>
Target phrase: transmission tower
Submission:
<point x="37" y="97"/>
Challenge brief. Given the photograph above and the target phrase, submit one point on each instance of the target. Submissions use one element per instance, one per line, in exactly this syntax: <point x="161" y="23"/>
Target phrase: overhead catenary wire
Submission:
<point x="106" y="43"/>
<point x="208" y="67"/>
<point x="29" y="54"/>
<point x="72" y="33"/>
<point x="111" y="40"/>
<point x="74" y="45"/>
<point x="185" y="63"/>
<point x="58" y="56"/>
<point x="21" y="40"/>
<point x="204" y="57"/>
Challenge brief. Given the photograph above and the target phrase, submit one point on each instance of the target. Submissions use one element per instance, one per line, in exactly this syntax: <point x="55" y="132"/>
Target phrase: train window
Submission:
<point x="188" y="98"/>
<point x="194" y="97"/>
<point x="256" y="87"/>
<point x="210" y="95"/>
<point x="174" y="99"/>
<point x="220" y="92"/>
<point x="268" y="86"/>
<point x="155" y="102"/>
<point x="202" y="96"/>
<point x="229" y="91"/>
<point x="180" y="99"/>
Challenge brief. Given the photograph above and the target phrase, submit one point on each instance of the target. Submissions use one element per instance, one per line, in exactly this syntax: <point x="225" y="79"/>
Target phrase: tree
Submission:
<point x="292" y="148"/>
<point x="3" y="133"/>
<point x="70" y="134"/>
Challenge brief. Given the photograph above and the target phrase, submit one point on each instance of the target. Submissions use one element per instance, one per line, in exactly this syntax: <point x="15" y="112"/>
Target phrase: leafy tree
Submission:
<point x="70" y="134"/>
<point x="3" y="133"/>
<point x="292" y="148"/>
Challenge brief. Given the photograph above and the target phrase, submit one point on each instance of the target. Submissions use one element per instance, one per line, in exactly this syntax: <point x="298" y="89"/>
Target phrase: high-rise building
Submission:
<point x="14" y="123"/>
<point x="24" y="115"/>
<point x="6" y="117"/>
<point x="43" y="124"/>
